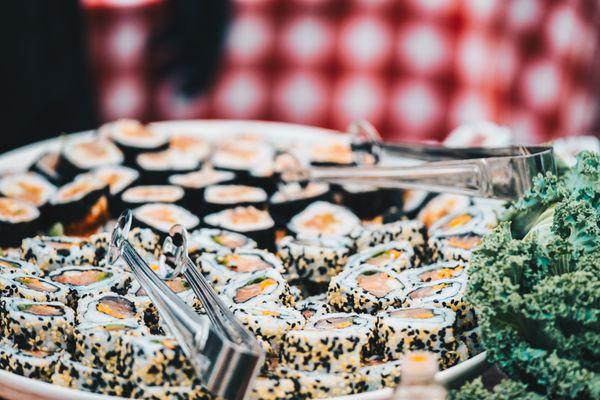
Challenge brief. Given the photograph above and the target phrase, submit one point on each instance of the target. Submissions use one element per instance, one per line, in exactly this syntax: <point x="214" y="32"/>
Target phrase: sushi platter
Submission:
<point x="336" y="281"/>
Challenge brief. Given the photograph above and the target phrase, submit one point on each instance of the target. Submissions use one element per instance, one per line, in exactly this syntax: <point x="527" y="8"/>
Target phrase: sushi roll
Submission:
<point x="401" y="330"/>
<point x="321" y="385"/>
<point x="139" y="195"/>
<point x="380" y="232"/>
<point x="322" y="219"/>
<point x="270" y="322"/>
<point x="118" y="178"/>
<point x="396" y="256"/>
<point x="33" y="325"/>
<point x="160" y="217"/>
<point x="448" y="293"/>
<point x="454" y="247"/>
<point x="440" y="206"/>
<point x="33" y="288"/>
<point x="249" y="221"/>
<point x="156" y="361"/>
<point x="100" y="345"/>
<point x="18" y="219"/>
<point x="10" y="265"/>
<point x="313" y="258"/>
<point x="221" y="197"/>
<point x="49" y="253"/>
<point x="222" y="268"/>
<point x="74" y="375"/>
<point x="195" y="183"/>
<point x="27" y="186"/>
<point x="81" y="206"/>
<point x="241" y="156"/>
<point x="84" y="281"/>
<point x="269" y="387"/>
<point x="379" y="374"/>
<point x="366" y="289"/>
<point x="155" y="168"/>
<point x="267" y="286"/>
<point x="314" y="306"/>
<point x="190" y="146"/>
<point x="34" y="364"/>
<point x="292" y="198"/>
<point x="47" y="167"/>
<point x="83" y="154"/>
<point x="133" y="138"/>
<point x="476" y="220"/>
<point x="436" y="272"/>
<point x="108" y="308"/>
<point x="368" y="201"/>
<point x="165" y="392"/>
<point x="472" y="340"/>
<point x="329" y="343"/>
<point x="216" y="241"/>
<point x="332" y="153"/>
<point x="413" y="201"/>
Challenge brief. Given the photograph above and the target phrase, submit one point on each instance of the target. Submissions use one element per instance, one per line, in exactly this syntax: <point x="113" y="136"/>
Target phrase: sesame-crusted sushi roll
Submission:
<point x="138" y="195"/>
<point x="448" y="293"/>
<point x="34" y="288"/>
<point x="224" y="267"/>
<point x="10" y="265"/>
<point x="270" y="322"/>
<point x="477" y="220"/>
<point x="314" y="306"/>
<point x="207" y="240"/>
<point x="329" y="343"/>
<point x="34" y="364"/>
<point x="415" y="328"/>
<point x="49" y="253"/>
<point x="156" y="361"/>
<point x="454" y="247"/>
<point x="379" y="374"/>
<point x="155" y="168"/>
<point x="440" y="206"/>
<point x="85" y="281"/>
<point x="266" y="286"/>
<point x="195" y="183"/>
<point x="160" y="217"/>
<point x="366" y="289"/>
<point x="323" y="219"/>
<point x="319" y="385"/>
<point x="74" y="375"/>
<point x="250" y="221"/>
<point x="380" y="231"/>
<point x="100" y="345"/>
<point x="472" y="340"/>
<point x="292" y="198"/>
<point x="313" y="258"/>
<point x="36" y="325"/>
<point x="18" y="219"/>
<point x="436" y="272"/>
<point x="221" y="197"/>
<point x="165" y="392"/>
<point x="133" y="138"/>
<point x="271" y="387"/>
<point x="83" y="154"/>
<point x="396" y="256"/>
<point x="109" y="308"/>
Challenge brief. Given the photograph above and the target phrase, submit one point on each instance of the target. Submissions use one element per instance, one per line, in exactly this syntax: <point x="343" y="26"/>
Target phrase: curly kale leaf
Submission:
<point x="505" y="390"/>
<point x="583" y="181"/>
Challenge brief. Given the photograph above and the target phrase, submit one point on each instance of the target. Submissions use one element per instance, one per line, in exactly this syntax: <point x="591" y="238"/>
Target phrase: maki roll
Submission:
<point x="195" y="184"/>
<point x="196" y="392"/>
<point x="133" y="138"/>
<point x="292" y="198"/>
<point x="109" y="308"/>
<point x="81" y="206"/>
<point x="155" y="168"/>
<point x="270" y="322"/>
<point x="27" y="186"/>
<point x="259" y="287"/>
<point x="332" y="154"/>
<point x="86" y="281"/>
<point x="220" y="197"/>
<point x="241" y="156"/>
<point x="369" y="201"/>
<point x="379" y="374"/>
<point x="250" y="221"/>
<point x="118" y="178"/>
<point x="160" y="217"/>
<point x="366" y="289"/>
<point x="454" y="247"/>
<point x="139" y="195"/>
<point x="329" y="343"/>
<point x="10" y="265"/>
<point x="34" y="364"/>
<point x="34" y="288"/>
<point x="472" y="340"/>
<point x="314" y="306"/>
<point x="448" y="293"/>
<point x="396" y="256"/>
<point x="415" y="328"/>
<point x="413" y="201"/>
<point x="33" y="325"/>
<point x="475" y="220"/>
<point x="322" y="219"/>
<point x="222" y="268"/>
<point x="315" y="259"/>
<point x="273" y="388"/>
<point x="216" y="241"/>
<point x="83" y="154"/>
<point x="190" y="146"/>
<point x="379" y="232"/>
<point x="47" y="167"/>
<point x="52" y="252"/>
<point x="321" y="385"/>
<point x="436" y="272"/>
<point x="18" y="219"/>
<point x="440" y="206"/>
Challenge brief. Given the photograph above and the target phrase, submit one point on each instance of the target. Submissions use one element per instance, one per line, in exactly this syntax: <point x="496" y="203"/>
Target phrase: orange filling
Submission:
<point x="415" y="313"/>
<point x="250" y="291"/>
<point x="459" y="221"/>
<point x="376" y="284"/>
<point x="464" y="242"/>
<point x="81" y="278"/>
<point x="321" y="222"/>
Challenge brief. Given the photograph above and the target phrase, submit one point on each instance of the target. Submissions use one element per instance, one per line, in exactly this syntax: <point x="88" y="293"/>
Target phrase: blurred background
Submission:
<point x="414" y="68"/>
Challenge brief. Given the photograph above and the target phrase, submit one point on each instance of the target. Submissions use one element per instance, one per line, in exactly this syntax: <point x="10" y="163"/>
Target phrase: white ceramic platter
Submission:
<point x="16" y="387"/>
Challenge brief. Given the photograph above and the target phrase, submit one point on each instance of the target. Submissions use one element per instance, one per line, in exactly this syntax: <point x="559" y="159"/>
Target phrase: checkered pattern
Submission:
<point x="415" y="68"/>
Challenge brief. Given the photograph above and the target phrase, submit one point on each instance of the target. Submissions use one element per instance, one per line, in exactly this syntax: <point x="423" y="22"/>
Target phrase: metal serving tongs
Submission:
<point x="503" y="173"/>
<point x="225" y="355"/>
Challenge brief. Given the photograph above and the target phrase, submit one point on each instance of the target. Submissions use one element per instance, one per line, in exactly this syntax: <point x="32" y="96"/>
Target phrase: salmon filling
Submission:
<point x="322" y="222"/>
<point x="441" y="273"/>
<point x="36" y="284"/>
<point x="36" y="353"/>
<point x="464" y="242"/>
<point x="377" y="283"/>
<point x="243" y="263"/>
<point x="253" y="289"/>
<point x="245" y="215"/>
<point x="413" y="313"/>
<point x="42" y="310"/>
<point x="177" y="285"/>
<point x="427" y="291"/>
<point x="334" y="323"/>
<point x="433" y="215"/>
<point x="82" y="278"/>
<point x="116" y="307"/>
<point x="28" y="191"/>
<point x="11" y="208"/>
<point x="458" y="221"/>
<point x="383" y="259"/>
<point x="229" y="241"/>
<point x="308" y="314"/>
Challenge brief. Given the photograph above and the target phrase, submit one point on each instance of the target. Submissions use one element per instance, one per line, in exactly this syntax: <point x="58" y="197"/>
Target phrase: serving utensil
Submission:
<point x="225" y="355"/>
